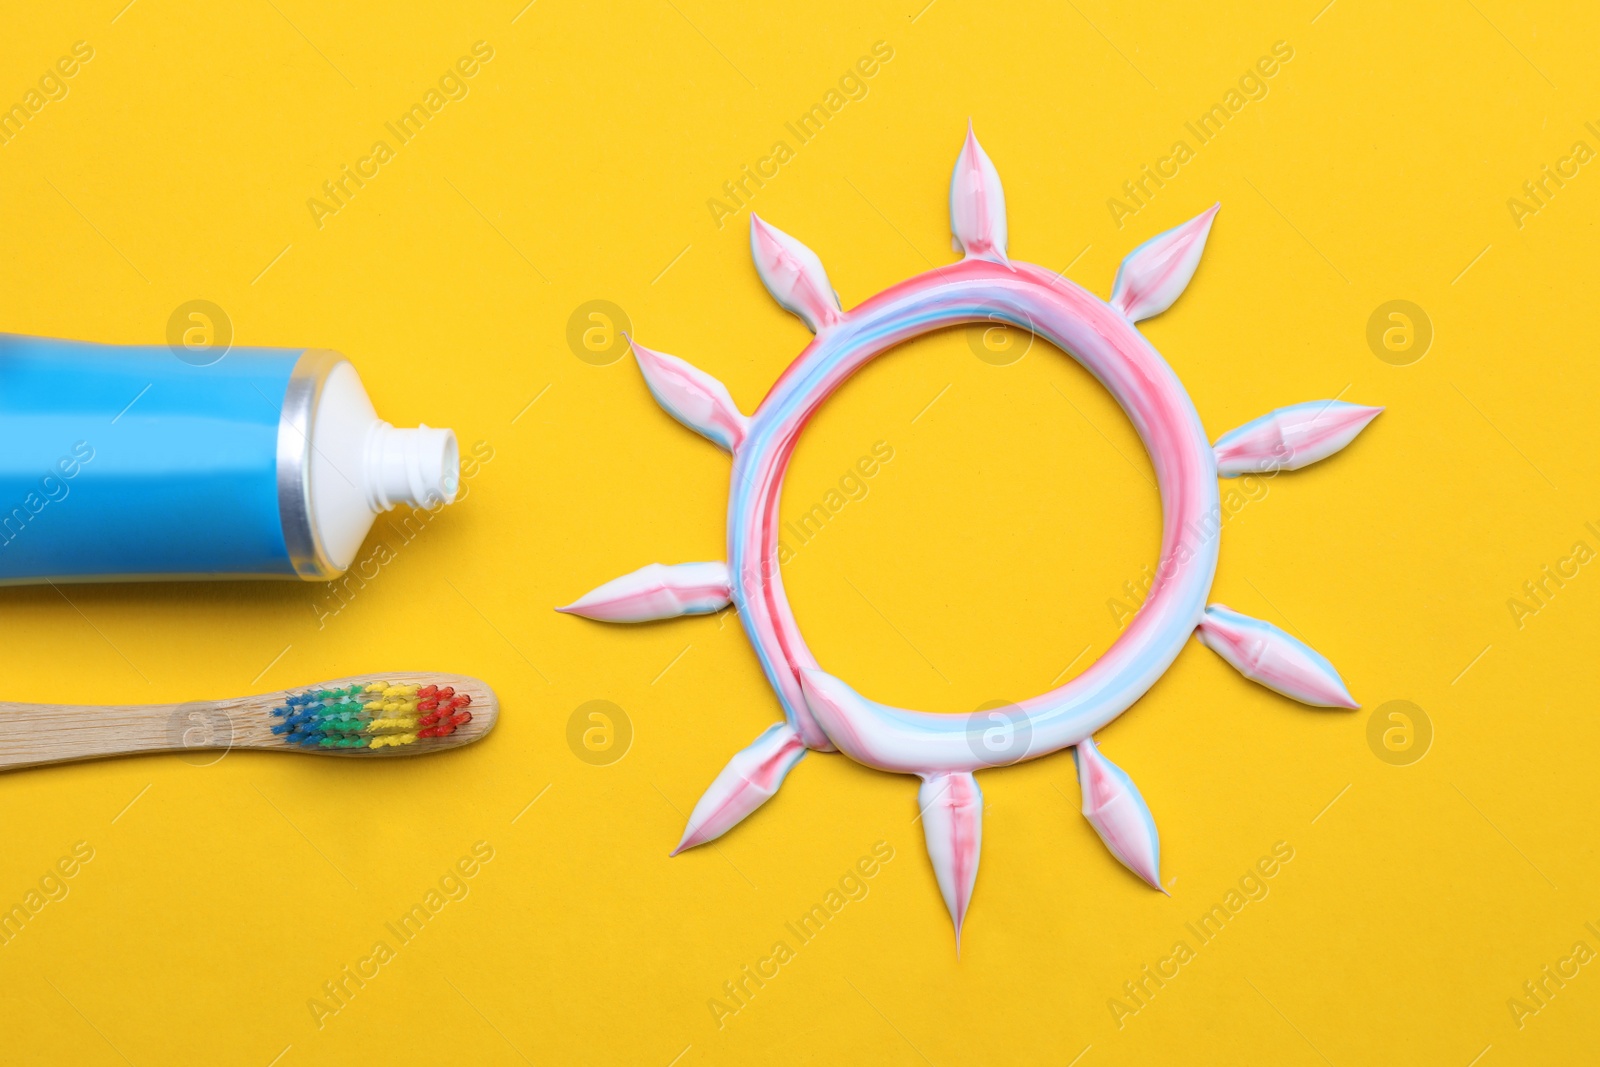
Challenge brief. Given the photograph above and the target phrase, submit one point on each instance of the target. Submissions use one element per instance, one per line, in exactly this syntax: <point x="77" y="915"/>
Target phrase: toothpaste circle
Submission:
<point x="825" y="712"/>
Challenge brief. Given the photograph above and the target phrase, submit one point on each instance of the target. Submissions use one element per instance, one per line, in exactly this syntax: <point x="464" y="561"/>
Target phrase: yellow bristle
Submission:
<point x="393" y="724"/>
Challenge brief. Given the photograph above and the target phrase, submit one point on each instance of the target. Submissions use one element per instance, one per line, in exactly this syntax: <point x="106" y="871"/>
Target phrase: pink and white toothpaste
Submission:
<point x="822" y="712"/>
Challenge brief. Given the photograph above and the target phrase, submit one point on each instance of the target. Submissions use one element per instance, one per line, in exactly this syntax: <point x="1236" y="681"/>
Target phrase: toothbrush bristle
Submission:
<point x="378" y="715"/>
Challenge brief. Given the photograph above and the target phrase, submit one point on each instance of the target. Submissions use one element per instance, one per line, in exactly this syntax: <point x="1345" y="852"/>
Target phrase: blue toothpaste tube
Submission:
<point x="126" y="463"/>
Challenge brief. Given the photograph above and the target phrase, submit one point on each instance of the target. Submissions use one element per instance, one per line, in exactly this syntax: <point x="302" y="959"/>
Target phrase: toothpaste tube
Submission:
<point x="126" y="463"/>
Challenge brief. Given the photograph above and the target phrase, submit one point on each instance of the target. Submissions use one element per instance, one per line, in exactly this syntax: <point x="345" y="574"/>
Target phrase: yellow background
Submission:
<point x="578" y="168"/>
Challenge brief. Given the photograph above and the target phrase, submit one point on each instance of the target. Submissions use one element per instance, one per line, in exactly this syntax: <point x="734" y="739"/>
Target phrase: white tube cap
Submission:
<point x="420" y="467"/>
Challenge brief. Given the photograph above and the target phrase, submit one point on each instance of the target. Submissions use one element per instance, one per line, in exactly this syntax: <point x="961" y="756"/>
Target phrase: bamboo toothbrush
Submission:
<point x="369" y="716"/>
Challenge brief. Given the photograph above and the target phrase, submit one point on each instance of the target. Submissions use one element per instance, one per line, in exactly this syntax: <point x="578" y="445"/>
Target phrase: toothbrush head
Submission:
<point x="372" y="715"/>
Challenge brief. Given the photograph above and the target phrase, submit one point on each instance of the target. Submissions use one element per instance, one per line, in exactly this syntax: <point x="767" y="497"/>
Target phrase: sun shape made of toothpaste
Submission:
<point x="821" y="712"/>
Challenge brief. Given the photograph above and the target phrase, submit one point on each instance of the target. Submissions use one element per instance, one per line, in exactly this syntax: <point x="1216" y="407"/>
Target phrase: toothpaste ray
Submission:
<point x="952" y="823"/>
<point x="692" y="396"/>
<point x="1113" y="806"/>
<point x="977" y="204"/>
<point x="793" y="275"/>
<point x="1292" y="437"/>
<point x="1155" y="273"/>
<point x="657" y="591"/>
<point x="1265" y="654"/>
<point x="747" y="782"/>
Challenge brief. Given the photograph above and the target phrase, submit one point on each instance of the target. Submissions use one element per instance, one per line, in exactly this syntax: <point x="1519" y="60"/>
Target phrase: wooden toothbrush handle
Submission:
<point x="31" y="734"/>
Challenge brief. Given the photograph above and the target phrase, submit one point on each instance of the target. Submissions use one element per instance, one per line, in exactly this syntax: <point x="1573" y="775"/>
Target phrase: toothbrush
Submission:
<point x="369" y="716"/>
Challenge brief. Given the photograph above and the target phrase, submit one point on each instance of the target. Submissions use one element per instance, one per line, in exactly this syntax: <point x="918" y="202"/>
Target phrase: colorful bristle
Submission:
<point x="379" y="715"/>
